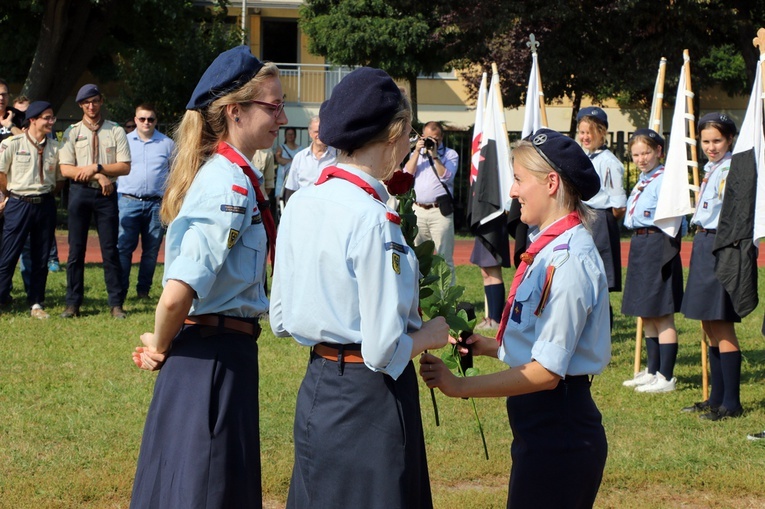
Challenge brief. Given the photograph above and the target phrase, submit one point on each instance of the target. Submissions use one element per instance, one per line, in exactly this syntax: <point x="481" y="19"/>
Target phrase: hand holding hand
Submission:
<point x="147" y="357"/>
<point x="85" y="173"/>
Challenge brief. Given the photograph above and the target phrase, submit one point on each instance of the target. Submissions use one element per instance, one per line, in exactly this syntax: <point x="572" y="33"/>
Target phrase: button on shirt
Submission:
<point x="708" y="209"/>
<point x="217" y="243"/>
<point x="645" y="208"/>
<point x="149" y="167"/>
<point x="611" y="173"/>
<point x="344" y="274"/>
<point x="306" y="167"/>
<point x="427" y="187"/>
<point x="76" y="147"/>
<point x="571" y="336"/>
<point x="20" y="162"/>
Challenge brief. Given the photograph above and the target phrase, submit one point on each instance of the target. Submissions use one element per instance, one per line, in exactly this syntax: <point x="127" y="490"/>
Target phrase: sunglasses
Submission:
<point x="277" y="108"/>
<point x="146" y="119"/>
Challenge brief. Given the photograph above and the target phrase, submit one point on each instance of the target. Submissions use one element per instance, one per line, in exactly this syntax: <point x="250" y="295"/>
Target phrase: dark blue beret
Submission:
<point x="650" y="133"/>
<point x="361" y="106"/>
<point x="566" y="157"/>
<point x="719" y="118"/>
<point x="230" y="70"/>
<point x="87" y="91"/>
<point x="594" y="112"/>
<point x="36" y="108"/>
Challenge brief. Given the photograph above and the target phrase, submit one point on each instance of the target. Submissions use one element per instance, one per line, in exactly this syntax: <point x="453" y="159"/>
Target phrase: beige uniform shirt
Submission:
<point x="77" y="143"/>
<point x="20" y="162"/>
<point x="264" y="161"/>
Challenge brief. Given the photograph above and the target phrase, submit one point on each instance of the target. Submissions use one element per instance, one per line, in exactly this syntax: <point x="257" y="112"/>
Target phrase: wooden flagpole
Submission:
<point x="759" y="42"/>
<point x="692" y="135"/>
<point x="655" y="124"/>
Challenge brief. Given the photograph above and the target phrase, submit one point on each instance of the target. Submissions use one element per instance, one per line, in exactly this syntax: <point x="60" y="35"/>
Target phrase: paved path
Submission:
<point x="462" y="250"/>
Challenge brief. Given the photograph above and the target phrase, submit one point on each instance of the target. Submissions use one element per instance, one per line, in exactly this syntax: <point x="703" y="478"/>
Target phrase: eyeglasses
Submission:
<point x="146" y="119"/>
<point x="49" y="118"/>
<point x="92" y="102"/>
<point x="5" y="94"/>
<point x="277" y="108"/>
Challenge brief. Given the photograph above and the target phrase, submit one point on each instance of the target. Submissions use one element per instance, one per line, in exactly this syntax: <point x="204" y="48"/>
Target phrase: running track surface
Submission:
<point x="462" y="250"/>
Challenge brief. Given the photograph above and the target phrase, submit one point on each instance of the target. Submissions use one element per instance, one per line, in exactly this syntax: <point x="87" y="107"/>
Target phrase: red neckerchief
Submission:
<point x="232" y="155"/>
<point x="527" y="258"/>
<point x="333" y="171"/>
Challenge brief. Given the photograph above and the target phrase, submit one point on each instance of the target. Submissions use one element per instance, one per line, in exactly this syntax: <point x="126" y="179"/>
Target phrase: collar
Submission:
<point x="369" y="179"/>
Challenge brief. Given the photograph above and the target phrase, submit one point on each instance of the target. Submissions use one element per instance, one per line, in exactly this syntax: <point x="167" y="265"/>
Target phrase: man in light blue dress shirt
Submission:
<point x="140" y="199"/>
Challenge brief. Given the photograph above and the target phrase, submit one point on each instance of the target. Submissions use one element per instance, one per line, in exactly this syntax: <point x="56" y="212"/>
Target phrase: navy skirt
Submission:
<point x="654" y="283"/>
<point x="559" y="448"/>
<point x="201" y="442"/>
<point x="358" y="440"/>
<point x="705" y="298"/>
<point x="605" y="234"/>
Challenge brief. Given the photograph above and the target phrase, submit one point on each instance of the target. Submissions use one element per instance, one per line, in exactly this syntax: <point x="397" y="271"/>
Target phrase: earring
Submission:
<point x="236" y="119"/>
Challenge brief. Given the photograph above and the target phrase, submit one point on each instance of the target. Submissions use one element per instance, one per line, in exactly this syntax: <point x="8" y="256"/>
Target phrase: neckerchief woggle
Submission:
<point x="232" y="155"/>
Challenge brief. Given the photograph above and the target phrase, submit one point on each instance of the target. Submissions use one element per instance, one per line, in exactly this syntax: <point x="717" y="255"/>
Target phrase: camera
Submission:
<point x="430" y="143"/>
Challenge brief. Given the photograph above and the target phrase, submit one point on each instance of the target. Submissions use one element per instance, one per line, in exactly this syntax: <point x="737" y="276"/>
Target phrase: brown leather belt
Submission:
<point x="350" y="353"/>
<point x="225" y="322"/>
<point x="645" y="231"/>
<point x="35" y="199"/>
<point x="427" y="206"/>
<point x="699" y="229"/>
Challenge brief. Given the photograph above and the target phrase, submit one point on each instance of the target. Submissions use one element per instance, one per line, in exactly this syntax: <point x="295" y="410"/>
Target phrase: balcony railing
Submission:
<point x="309" y="83"/>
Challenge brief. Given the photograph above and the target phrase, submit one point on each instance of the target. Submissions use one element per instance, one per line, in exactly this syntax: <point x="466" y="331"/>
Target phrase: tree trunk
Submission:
<point x="70" y="33"/>
<point x="413" y="98"/>
<point x="575" y="107"/>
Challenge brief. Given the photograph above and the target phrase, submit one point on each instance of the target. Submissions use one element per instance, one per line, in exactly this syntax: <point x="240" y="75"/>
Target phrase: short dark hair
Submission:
<point x="294" y="131"/>
<point x="434" y="125"/>
<point x="3" y="82"/>
<point x="146" y="106"/>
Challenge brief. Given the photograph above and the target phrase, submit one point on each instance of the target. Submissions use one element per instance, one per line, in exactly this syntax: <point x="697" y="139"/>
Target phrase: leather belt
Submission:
<point x="36" y="199"/>
<point x="93" y="184"/>
<point x="225" y="322"/>
<point x="427" y="206"/>
<point x="646" y="231"/>
<point x="578" y="379"/>
<point x="349" y="353"/>
<point x="699" y="229"/>
<point x="142" y="198"/>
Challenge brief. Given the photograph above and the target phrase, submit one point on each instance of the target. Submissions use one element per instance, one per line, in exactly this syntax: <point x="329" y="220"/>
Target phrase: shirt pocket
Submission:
<point x="22" y="162"/>
<point x="250" y="253"/>
<point x="523" y="305"/>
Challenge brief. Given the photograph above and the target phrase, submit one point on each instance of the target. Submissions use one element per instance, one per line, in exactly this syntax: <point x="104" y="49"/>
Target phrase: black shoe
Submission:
<point x="142" y="295"/>
<point x="722" y="413"/>
<point x="700" y="407"/>
<point x="70" y="312"/>
<point x="118" y="313"/>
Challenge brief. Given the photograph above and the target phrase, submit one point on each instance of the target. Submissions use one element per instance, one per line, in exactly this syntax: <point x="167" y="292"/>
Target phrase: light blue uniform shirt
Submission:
<point x="708" y="209"/>
<point x="645" y="209"/>
<point x="571" y="336"/>
<point x="217" y="243"/>
<point x="306" y="167"/>
<point x="611" y="173"/>
<point x="149" y="167"/>
<point x="427" y="187"/>
<point x="344" y="274"/>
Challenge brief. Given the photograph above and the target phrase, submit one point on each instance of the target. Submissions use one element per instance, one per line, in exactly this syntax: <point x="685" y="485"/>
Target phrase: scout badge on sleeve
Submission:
<point x="396" y="263"/>
<point x="232" y="236"/>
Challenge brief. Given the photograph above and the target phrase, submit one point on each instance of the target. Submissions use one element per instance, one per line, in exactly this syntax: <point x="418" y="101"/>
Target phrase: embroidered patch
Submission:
<point x="395" y="246"/>
<point x="256" y="218"/>
<point x="646" y="213"/>
<point x="517" y="310"/>
<point x="239" y="189"/>
<point x="396" y="263"/>
<point x="81" y="137"/>
<point x="233" y="208"/>
<point x="393" y="218"/>
<point x="232" y="236"/>
<point x="706" y="204"/>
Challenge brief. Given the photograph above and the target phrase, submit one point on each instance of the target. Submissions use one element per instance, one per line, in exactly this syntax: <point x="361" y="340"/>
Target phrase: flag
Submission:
<point x="490" y="192"/>
<point x="532" y="119"/>
<point x="475" y="155"/>
<point x="751" y="131"/>
<point x="674" y="195"/>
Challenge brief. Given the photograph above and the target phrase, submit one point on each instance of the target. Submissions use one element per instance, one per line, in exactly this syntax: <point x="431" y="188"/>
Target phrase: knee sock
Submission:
<point x="668" y="355"/>
<point x="730" y="363"/>
<point x="652" y="354"/>
<point x="495" y="296"/>
<point x="718" y="384"/>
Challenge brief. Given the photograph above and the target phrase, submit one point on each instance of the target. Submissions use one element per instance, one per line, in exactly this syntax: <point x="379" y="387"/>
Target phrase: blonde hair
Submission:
<point x="567" y="197"/>
<point x="197" y="137"/>
<point x="595" y="126"/>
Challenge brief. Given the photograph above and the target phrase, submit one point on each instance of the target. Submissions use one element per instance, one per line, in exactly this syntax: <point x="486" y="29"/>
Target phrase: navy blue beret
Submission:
<point x="650" y="133"/>
<point x="361" y="106"/>
<point x="87" y="91"/>
<point x="719" y="118"/>
<point x="594" y="112"/>
<point x="566" y="157"/>
<point x="230" y="70"/>
<point x="36" y="108"/>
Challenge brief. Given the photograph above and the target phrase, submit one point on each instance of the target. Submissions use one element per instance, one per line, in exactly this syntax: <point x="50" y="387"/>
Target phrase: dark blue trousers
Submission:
<point x="84" y="203"/>
<point x="559" y="448"/>
<point x="22" y="219"/>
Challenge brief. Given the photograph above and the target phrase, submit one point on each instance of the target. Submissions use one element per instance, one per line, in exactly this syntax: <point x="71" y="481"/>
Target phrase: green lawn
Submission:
<point x="72" y="408"/>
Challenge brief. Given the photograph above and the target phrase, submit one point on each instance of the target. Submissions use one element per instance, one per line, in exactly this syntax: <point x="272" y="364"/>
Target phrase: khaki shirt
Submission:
<point x="76" y="146"/>
<point x="264" y="161"/>
<point x="20" y="163"/>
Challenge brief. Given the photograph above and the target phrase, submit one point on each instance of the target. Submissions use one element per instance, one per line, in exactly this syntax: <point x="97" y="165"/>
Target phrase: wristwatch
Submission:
<point x="99" y="168"/>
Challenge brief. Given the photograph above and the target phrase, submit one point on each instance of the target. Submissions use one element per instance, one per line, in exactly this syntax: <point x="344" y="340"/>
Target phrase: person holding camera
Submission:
<point x="434" y="167"/>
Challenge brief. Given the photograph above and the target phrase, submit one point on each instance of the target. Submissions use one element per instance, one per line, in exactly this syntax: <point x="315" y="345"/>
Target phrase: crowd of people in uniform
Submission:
<point x="345" y="283"/>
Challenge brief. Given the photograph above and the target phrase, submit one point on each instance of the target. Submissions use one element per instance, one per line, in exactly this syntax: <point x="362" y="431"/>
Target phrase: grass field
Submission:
<point x="72" y="408"/>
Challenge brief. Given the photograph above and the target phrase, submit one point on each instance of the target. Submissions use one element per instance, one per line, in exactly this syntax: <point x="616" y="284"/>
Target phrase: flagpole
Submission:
<point x="533" y="44"/>
<point x="759" y="43"/>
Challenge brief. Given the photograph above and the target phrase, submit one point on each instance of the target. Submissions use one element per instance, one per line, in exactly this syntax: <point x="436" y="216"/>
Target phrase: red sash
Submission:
<point x="333" y="171"/>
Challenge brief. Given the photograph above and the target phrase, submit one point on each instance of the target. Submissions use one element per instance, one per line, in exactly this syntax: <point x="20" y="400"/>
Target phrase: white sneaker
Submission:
<point x="39" y="312"/>
<point x="659" y="384"/>
<point x="640" y="378"/>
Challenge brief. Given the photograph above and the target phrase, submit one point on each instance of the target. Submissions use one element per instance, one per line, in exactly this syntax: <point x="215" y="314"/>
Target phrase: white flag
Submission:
<point x="751" y="138"/>
<point x="532" y="119"/>
<point x="480" y="106"/>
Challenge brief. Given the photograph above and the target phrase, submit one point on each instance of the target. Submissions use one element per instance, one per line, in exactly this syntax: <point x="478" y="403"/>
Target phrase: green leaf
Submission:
<point x="449" y="359"/>
<point x="472" y="372"/>
<point x="457" y="323"/>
